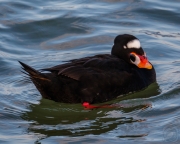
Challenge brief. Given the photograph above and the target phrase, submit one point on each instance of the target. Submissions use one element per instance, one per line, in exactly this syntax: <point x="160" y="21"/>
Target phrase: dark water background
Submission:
<point x="45" y="33"/>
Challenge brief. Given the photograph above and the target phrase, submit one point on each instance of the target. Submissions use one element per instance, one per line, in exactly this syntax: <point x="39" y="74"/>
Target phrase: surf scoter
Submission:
<point x="98" y="78"/>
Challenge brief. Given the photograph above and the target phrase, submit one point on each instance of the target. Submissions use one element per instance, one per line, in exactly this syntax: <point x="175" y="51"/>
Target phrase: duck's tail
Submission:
<point x="34" y="74"/>
<point x="41" y="81"/>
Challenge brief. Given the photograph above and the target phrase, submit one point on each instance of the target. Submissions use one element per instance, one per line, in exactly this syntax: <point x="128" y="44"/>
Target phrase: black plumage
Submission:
<point x="96" y="78"/>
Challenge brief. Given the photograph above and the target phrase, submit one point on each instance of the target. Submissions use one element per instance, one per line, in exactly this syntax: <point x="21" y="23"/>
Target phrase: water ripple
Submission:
<point x="46" y="33"/>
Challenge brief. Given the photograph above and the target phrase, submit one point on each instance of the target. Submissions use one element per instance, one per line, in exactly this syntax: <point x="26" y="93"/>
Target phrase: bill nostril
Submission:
<point x="142" y="58"/>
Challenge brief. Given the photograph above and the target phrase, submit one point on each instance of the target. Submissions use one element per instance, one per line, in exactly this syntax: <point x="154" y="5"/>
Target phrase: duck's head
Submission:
<point x="128" y="48"/>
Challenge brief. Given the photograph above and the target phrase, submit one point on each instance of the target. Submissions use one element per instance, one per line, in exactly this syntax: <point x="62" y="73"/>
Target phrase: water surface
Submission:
<point x="46" y="33"/>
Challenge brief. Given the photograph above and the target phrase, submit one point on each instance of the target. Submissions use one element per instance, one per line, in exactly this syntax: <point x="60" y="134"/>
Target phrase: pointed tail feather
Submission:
<point x="40" y="80"/>
<point x="34" y="74"/>
<point x="28" y="69"/>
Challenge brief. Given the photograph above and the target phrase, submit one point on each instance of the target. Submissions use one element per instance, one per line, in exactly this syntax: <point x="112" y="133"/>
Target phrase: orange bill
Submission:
<point x="144" y="63"/>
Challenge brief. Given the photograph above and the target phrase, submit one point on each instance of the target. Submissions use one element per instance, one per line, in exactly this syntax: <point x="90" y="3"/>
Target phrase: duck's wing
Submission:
<point x="99" y="64"/>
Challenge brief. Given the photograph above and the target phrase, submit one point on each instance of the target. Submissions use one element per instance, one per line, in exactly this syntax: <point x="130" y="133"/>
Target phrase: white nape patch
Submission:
<point x="134" y="44"/>
<point x="125" y="47"/>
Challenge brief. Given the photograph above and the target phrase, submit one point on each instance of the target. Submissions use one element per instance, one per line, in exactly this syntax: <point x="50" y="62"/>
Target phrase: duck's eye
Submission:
<point x="132" y="57"/>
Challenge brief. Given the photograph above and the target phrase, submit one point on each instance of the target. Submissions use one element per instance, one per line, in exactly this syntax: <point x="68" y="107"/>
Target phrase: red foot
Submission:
<point x="88" y="106"/>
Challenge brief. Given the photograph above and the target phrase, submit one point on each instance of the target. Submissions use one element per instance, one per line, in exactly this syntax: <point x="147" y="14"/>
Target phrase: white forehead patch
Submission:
<point x="134" y="44"/>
